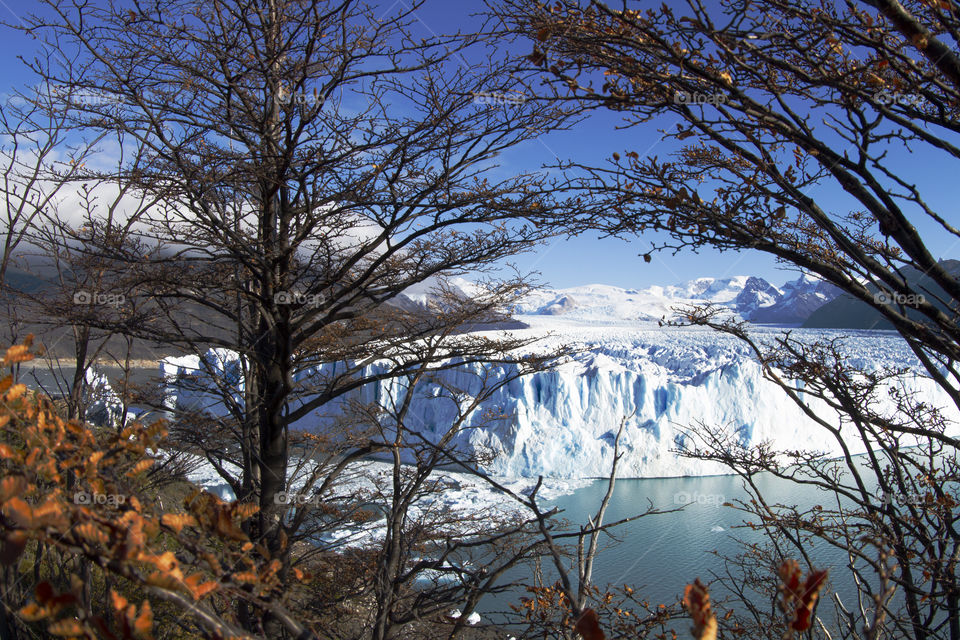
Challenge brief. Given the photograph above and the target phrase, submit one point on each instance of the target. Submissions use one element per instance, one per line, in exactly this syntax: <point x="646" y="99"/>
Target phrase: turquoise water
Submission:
<point x="659" y="554"/>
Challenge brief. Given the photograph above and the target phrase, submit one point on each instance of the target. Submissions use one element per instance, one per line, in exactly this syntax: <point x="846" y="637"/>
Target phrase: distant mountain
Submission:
<point x="596" y="302"/>
<point x="26" y="282"/>
<point x="846" y="312"/>
<point x="799" y="299"/>
<point x="756" y="297"/>
<point x="423" y="296"/>
<point x="750" y="297"/>
<point x="717" y="290"/>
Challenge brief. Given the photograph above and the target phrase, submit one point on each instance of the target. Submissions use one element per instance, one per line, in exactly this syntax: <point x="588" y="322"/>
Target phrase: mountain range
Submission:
<point x="750" y="297"/>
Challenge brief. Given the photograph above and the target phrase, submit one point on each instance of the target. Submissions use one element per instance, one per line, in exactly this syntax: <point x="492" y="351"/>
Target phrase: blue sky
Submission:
<point x="589" y="259"/>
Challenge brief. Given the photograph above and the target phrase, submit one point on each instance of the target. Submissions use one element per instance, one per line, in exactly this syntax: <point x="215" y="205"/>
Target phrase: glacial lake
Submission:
<point x="659" y="554"/>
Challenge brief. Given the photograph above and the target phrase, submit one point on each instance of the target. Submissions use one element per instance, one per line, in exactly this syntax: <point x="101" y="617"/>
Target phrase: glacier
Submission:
<point x="561" y="423"/>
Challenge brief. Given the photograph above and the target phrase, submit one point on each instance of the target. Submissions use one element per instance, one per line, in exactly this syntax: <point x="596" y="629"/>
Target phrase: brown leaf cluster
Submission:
<point x="185" y="558"/>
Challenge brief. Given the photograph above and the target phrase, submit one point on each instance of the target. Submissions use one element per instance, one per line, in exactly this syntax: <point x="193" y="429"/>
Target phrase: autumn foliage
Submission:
<point x="696" y="598"/>
<point x="196" y="558"/>
<point x="799" y="595"/>
<point x="798" y="601"/>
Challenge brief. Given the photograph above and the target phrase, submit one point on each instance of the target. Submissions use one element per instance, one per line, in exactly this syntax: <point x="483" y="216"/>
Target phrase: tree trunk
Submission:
<point x="81" y="347"/>
<point x="386" y="585"/>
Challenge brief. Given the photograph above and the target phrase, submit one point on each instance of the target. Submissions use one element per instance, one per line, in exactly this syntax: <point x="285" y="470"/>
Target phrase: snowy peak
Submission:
<point x="423" y="293"/>
<point x="756" y="294"/>
<point x="716" y="290"/>
<point x="801" y="297"/>
<point x="750" y="297"/>
<point x="597" y="302"/>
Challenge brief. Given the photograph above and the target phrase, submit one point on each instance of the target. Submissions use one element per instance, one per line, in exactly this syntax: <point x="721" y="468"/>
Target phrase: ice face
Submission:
<point x="105" y="407"/>
<point x="561" y="423"/>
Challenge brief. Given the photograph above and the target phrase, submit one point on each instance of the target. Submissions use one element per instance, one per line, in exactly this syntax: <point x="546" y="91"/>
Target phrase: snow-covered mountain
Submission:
<point x="423" y="293"/>
<point x="750" y="297"/>
<point x="799" y="299"/>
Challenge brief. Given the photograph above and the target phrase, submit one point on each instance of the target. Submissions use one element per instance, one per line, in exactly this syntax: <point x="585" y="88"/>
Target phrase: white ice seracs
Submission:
<point x="562" y="423"/>
<point x="104" y="405"/>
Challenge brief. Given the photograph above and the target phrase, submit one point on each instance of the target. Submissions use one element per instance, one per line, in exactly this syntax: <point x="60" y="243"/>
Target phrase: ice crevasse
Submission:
<point x="563" y="422"/>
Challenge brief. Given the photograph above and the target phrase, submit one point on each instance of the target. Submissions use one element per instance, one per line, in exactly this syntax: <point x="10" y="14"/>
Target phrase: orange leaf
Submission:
<point x="803" y="617"/>
<point x="301" y="575"/>
<point x="799" y="602"/>
<point x="204" y="589"/>
<point x="49" y="514"/>
<point x="143" y="625"/>
<point x="118" y="601"/>
<point x="16" y="392"/>
<point x="89" y="532"/>
<point x="696" y="598"/>
<point x="177" y="521"/>
<point x="12" y="486"/>
<point x="140" y="467"/>
<point x="246" y="510"/>
<point x="198" y="588"/>
<point x="165" y="561"/>
<point x="18" y="353"/>
<point x="19" y="511"/>
<point x="67" y="628"/>
<point x="588" y="626"/>
<point x="32" y="612"/>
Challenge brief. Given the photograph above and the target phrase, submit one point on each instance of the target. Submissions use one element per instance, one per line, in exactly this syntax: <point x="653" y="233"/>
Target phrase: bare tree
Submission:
<point x="87" y="298"/>
<point x="39" y="157"/>
<point x="766" y="102"/>
<point x="308" y="162"/>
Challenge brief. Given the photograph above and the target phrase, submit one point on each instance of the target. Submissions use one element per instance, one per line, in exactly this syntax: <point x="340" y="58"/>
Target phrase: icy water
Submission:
<point x="659" y="554"/>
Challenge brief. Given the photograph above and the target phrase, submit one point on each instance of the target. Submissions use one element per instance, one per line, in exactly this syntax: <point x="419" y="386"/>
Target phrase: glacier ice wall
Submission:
<point x="562" y="423"/>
